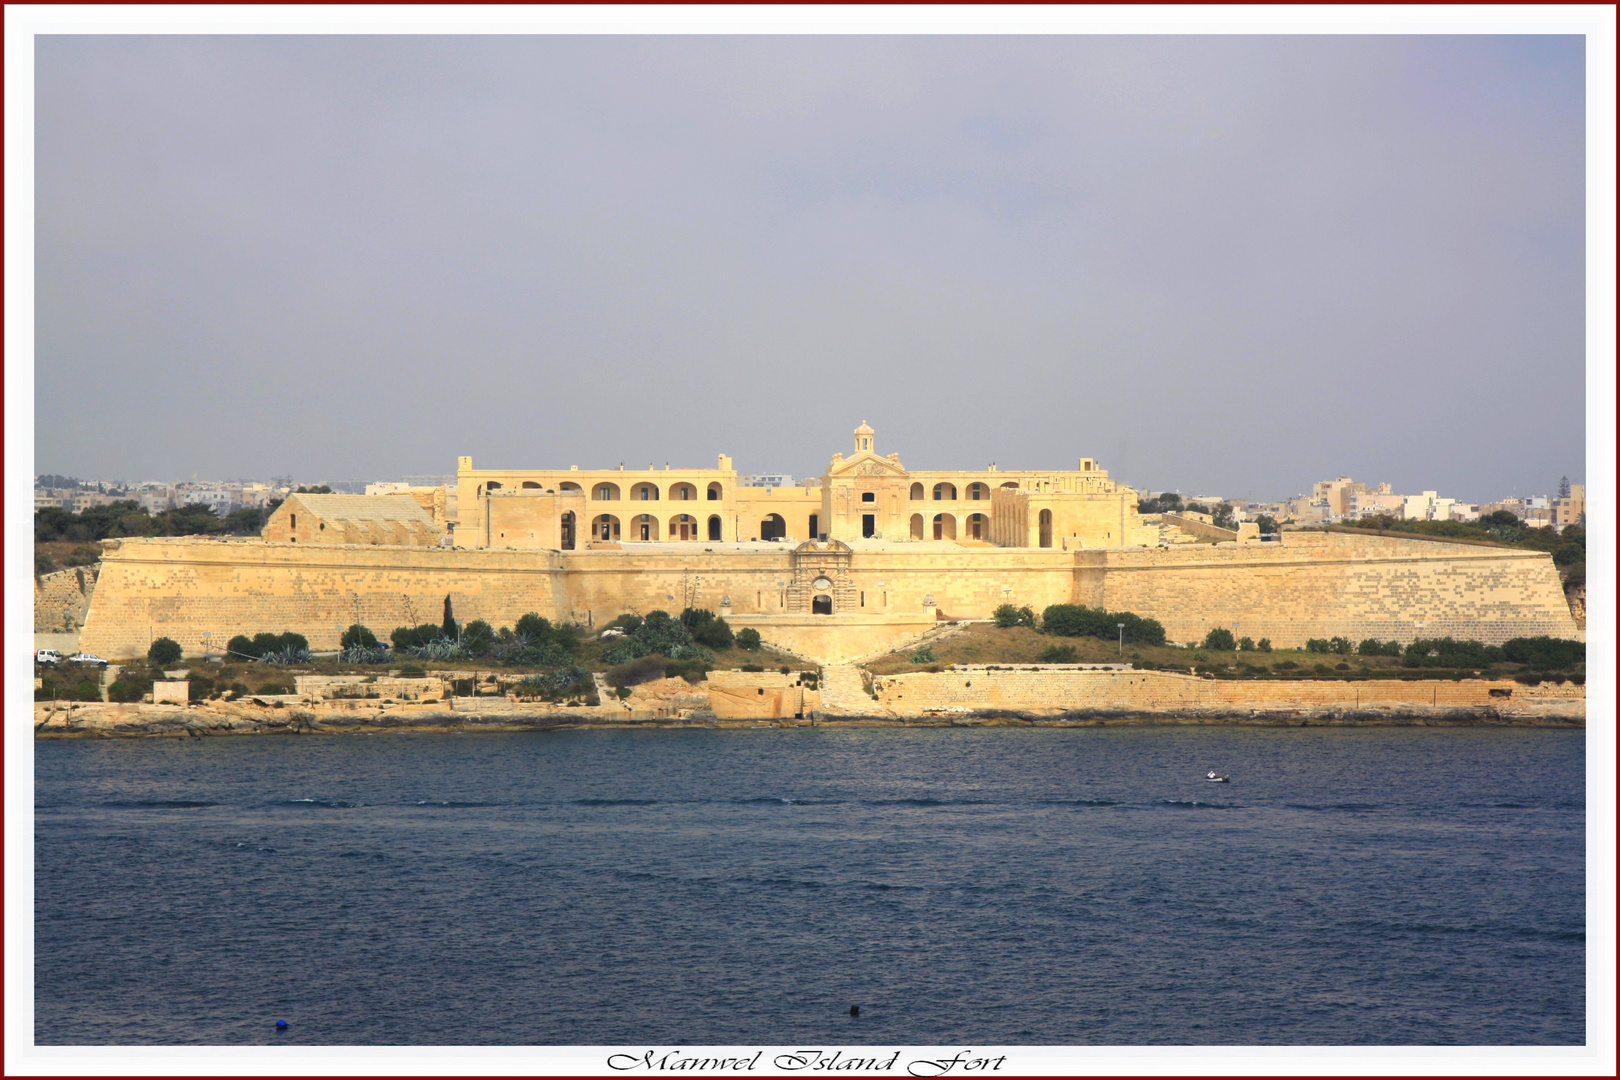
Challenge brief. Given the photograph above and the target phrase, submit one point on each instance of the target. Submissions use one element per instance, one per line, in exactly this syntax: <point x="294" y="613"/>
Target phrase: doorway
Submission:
<point x="821" y="605"/>
<point x="868" y="525"/>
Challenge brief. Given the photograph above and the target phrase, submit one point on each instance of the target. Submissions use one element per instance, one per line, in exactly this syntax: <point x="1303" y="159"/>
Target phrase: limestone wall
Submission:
<point x="182" y="588"/>
<point x="1319" y="585"/>
<point x="62" y="598"/>
<point x="1053" y="689"/>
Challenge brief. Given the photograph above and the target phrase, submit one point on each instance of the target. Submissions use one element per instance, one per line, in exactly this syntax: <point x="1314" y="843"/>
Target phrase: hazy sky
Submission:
<point x="1226" y="264"/>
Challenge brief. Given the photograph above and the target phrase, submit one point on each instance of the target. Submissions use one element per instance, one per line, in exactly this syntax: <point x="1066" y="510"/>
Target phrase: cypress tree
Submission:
<point x="449" y="626"/>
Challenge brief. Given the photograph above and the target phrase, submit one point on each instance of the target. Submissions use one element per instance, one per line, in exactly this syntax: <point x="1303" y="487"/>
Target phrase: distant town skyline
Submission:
<point x="1216" y="263"/>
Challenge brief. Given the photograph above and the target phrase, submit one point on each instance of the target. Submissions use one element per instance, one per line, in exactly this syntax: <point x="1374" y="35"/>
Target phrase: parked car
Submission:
<point x="47" y="656"/>
<point x="87" y="658"/>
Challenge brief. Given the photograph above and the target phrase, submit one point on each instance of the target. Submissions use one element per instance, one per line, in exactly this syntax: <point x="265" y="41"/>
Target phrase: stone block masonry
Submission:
<point x="1311" y="586"/>
<point x="62" y="599"/>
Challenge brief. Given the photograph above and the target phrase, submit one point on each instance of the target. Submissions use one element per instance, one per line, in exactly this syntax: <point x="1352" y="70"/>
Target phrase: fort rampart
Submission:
<point x="1314" y="585"/>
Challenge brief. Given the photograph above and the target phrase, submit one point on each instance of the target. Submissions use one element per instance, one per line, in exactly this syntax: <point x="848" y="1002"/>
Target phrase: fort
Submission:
<point x="868" y="557"/>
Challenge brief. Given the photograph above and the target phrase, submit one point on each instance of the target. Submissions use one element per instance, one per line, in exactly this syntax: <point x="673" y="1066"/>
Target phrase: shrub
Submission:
<point x="657" y="633"/>
<point x="706" y="628"/>
<point x="358" y="636"/>
<point x="748" y="638"/>
<point x="627" y="622"/>
<point x="129" y="689"/>
<point x="1059" y="654"/>
<point x="1340" y="646"/>
<point x="1316" y="645"/>
<point x="752" y="667"/>
<point x="785" y="670"/>
<point x="1264" y="644"/>
<point x="242" y="645"/>
<point x="163" y="651"/>
<point x="1544" y="652"/>
<point x="635" y="672"/>
<point x="1449" y="652"/>
<point x="1077" y="620"/>
<point x="477" y="637"/>
<point x="89" y="554"/>
<point x="44" y="564"/>
<point x="1009" y="615"/>
<point x="924" y="655"/>
<point x="1220" y="640"/>
<point x="1246" y="644"/>
<point x="533" y="628"/>
<point x="1374" y="647"/>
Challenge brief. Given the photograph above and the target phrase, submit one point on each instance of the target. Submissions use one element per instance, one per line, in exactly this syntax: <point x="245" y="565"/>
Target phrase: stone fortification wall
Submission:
<point x="62" y="598"/>
<point x="1320" y="585"/>
<point x="1055" y="689"/>
<point x="183" y="588"/>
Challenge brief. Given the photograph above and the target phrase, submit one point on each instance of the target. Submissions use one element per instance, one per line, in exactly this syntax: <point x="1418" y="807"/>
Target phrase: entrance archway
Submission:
<point x="821" y="605"/>
<point x="605" y="527"/>
<point x="714" y="526"/>
<point x="977" y="526"/>
<point x="683" y="527"/>
<point x="944" y="527"/>
<point x="773" y="527"/>
<point x="916" y="526"/>
<point x="645" y="527"/>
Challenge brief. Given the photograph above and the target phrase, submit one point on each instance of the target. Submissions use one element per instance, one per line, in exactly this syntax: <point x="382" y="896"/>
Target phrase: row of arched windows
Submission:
<point x="945" y="491"/>
<point x="944" y="527"/>
<point x="609" y="492"/>
<point x="647" y="527"/>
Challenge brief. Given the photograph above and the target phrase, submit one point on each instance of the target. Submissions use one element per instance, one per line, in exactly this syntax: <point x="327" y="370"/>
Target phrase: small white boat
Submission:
<point x="1217" y="778"/>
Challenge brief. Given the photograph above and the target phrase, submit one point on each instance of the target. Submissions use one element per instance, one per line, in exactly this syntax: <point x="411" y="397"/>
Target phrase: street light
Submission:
<point x="1121" y="640"/>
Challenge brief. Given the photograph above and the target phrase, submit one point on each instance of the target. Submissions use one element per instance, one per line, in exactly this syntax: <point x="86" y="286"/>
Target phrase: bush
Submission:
<point x="1245" y="644"/>
<point x="241" y="645"/>
<point x="1059" y="654"/>
<point x="1449" y="652"/>
<point x="129" y="689"/>
<point x="627" y="622"/>
<point x="1220" y="640"/>
<point x="1008" y="615"/>
<point x="358" y="636"/>
<point x="635" y="672"/>
<point x="164" y="651"/>
<point x="407" y="637"/>
<point x="1316" y="645"/>
<point x="1264" y="644"/>
<point x="660" y="634"/>
<point x="1374" y="647"/>
<point x="1077" y="620"/>
<point x="706" y="628"/>
<point x="1544" y="652"/>
<point x="748" y="638"/>
<point x="924" y="655"/>
<point x="752" y="667"/>
<point x="44" y="564"/>
<point x="533" y="628"/>
<point x="477" y="637"/>
<point x="1340" y="646"/>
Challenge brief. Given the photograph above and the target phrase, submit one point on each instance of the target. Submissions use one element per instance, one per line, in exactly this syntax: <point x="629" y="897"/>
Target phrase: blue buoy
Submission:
<point x="281" y="1025"/>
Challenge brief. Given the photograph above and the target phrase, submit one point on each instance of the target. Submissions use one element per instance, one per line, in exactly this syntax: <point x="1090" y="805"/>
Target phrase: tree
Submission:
<point x="1220" y="640"/>
<point x="477" y="637"/>
<point x="534" y="629"/>
<point x="1563" y="487"/>
<point x="1501" y="518"/>
<point x="1008" y="615"/>
<point x="245" y="522"/>
<point x="358" y="635"/>
<point x="748" y="638"/>
<point x="1267" y="523"/>
<point x="1224" y="517"/>
<point x="449" y="625"/>
<point x="164" y="651"/>
<point x="318" y="489"/>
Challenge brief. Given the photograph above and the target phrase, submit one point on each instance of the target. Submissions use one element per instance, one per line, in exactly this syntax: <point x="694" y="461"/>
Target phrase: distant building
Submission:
<point x="358" y="519"/>
<point x="765" y="480"/>
<point x="1571" y="510"/>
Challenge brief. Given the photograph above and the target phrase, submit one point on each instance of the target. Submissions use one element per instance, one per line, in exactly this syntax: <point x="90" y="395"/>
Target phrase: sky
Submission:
<point x="1222" y="265"/>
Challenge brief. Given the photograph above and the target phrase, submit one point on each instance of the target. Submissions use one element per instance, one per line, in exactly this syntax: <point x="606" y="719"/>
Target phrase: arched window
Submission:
<point x="978" y="527"/>
<point x="605" y="492"/>
<point x="1046" y="528"/>
<point x="644" y="527"/>
<point x="568" y="487"/>
<point x="916" y="526"/>
<point x="714" y="526"/>
<point x="1010" y="484"/>
<point x="944" y="527"/>
<point x="605" y="527"/>
<point x="714" y="492"/>
<point x="977" y="491"/>
<point x="530" y="484"/>
<point x="645" y="492"/>
<point x="772" y="528"/>
<point x="944" y="492"/>
<point x="683" y="527"/>
<point x="917" y="493"/>
<point x="683" y="492"/>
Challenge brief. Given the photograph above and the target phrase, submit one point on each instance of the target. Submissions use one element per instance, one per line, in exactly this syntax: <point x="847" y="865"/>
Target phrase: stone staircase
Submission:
<point x="844" y="692"/>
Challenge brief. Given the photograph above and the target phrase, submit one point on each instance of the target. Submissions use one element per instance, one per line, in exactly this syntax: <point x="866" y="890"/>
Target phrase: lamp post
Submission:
<point x="1121" y="640"/>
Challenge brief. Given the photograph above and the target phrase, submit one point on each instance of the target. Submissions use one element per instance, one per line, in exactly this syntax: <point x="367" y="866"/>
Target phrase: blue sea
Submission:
<point x="687" y="887"/>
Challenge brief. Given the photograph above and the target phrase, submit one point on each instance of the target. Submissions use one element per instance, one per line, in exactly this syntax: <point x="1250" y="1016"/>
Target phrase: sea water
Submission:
<point x="687" y="887"/>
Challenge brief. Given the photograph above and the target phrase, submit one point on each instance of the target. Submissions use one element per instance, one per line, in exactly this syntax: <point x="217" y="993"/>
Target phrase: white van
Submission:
<point x="47" y="656"/>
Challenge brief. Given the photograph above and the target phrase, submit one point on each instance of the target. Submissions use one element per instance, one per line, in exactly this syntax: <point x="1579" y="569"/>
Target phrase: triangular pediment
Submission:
<point x="865" y="463"/>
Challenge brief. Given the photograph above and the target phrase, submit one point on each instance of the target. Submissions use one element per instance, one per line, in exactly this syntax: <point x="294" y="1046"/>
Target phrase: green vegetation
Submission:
<point x="924" y="655"/>
<point x="1077" y="620"/>
<point x="1568" y="548"/>
<point x="748" y="638"/>
<point x="69" y="682"/>
<point x="1059" y="654"/>
<point x="284" y="648"/>
<point x="1220" y="640"/>
<point x="1008" y="615"/>
<point x="707" y="629"/>
<point x="163" y="651"/>
<point x="358" y="636"/>
<point x="657" y="633"/>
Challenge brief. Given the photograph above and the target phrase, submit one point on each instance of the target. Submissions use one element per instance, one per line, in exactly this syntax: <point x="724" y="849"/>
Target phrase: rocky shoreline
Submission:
<point x="103" y="720"/>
